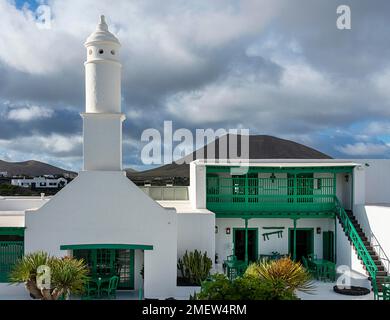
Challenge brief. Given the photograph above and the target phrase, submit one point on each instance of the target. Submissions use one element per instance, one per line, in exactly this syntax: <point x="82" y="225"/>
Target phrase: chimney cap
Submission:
<point x="101" y="34"/>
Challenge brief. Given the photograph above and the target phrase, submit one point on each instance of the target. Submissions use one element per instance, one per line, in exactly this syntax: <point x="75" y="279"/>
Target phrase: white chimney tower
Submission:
<point x="102" y="120"/>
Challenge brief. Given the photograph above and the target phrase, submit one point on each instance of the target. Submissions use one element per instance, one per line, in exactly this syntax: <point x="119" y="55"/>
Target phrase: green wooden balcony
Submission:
<point x="247" y="195"/>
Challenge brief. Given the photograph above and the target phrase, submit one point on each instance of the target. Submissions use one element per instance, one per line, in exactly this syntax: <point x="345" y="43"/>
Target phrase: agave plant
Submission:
<point x="195" y="266"/>
<point x="284" y="271"/>
<point x="68" y="275"/>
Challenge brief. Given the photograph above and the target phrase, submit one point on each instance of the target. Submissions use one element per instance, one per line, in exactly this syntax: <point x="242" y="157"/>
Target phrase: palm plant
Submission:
<point x="283" y="272"/>
<point x="68" y="275"/>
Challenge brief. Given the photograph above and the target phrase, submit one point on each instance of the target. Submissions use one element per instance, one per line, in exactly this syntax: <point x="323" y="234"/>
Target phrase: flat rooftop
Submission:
<point x="278" y="162"/>
<point x="182" y="206"/>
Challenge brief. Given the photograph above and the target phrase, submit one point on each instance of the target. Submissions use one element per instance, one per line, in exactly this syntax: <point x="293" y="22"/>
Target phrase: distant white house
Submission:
<point x="3" y="173"/>
<point x="40" y="182"/>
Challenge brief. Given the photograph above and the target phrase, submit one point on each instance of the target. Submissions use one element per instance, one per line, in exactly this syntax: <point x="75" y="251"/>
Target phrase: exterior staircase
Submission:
<point x="363" y="247"/>
<point x="381" y="273"/>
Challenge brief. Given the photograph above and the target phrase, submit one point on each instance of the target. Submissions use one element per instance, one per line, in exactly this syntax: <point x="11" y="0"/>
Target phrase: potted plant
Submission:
<point x="67" y="275"/>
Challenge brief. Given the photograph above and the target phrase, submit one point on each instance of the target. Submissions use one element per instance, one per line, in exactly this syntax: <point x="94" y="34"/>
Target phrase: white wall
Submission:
<point x="86" y="211"/>
<point x="359" y="185"/>
<point x="377" y="180"/>
<point x="21" y="204"/>
<point x="138" y="263"/>
<point x="102" y="136"/>
<point x="344" y="189"/>
<point x="196" y="231"/>
<point x="197" y="186"/>
<point x="375" y="219"/>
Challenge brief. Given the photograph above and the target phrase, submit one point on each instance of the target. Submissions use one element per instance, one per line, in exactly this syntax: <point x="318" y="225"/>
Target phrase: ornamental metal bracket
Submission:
<point x="267" y="234"/>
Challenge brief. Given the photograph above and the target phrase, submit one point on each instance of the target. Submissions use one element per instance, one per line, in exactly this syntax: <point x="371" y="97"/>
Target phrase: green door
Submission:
<point x="107" y="262"/>
<point x="304" y="243"/>
<point x="239" y="243"/>
<point x="328" y="245"/>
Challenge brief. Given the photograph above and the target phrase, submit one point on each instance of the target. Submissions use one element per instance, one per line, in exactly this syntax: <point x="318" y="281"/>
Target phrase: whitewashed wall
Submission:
<point x="138" y="263"/>
<point x="21" y="204"/>
<point x="89" y="212"/>
<point x="197" y="187"/>
<point x="375" y="219"/>
<point x="377" y="175"/>
<point x="196" y="231"/>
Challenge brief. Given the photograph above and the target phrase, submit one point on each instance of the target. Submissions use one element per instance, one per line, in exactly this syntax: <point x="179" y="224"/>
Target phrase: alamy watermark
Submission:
<point x="43" y="17"/>
<point x="178" y="146"/>
<point x="344" y="20"/>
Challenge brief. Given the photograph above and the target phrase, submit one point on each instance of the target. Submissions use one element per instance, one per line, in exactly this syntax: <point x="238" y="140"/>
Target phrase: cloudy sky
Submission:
<point x="277" y="67"/>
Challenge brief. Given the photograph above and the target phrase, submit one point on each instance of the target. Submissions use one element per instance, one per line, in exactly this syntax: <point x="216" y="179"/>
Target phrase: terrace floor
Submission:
<point x="324" y="291"/>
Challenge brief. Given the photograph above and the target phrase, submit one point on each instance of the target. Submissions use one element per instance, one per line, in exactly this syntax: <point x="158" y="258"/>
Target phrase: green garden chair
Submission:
<point x="110" y="291"/>
<point x="310" y="269"/>
<point x="90" y="290"/>
<point x="330" y="271"/>
<point x="311" y="256"/>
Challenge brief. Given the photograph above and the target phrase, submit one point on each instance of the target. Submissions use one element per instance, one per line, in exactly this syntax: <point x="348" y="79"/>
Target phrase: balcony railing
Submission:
<point x="270" y="194"/>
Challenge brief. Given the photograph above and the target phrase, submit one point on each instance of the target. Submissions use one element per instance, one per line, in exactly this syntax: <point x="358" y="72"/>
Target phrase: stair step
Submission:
<point x="378" y="263"/>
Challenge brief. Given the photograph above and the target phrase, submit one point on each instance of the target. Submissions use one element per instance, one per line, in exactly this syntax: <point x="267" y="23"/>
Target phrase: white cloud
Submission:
<point x="29" y="113"/>
<point x="170" y="31"/>
<point x="364" y="149"/>
<point x="378" y="128"/>
<point x="52" y="144"/>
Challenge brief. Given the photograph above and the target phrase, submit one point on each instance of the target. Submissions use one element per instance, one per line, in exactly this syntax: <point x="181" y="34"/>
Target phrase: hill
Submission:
<point x="260" y="147"/>
<point x="32" y="168"/>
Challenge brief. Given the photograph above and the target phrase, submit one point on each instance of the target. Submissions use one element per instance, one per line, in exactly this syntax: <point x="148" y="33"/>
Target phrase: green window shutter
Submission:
<point x="10" y="253"/>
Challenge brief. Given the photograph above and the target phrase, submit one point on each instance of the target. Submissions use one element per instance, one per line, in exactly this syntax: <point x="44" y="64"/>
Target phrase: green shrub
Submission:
<point x="243" y="288"/>
<point x="282" y="273"/>
<point x="195" y="266"/>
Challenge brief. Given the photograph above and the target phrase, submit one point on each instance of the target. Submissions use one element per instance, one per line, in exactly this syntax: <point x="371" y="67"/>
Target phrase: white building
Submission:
<point x="3" y="174"/>
<point x="288" y="206"/>
<point x="40" y="182"/>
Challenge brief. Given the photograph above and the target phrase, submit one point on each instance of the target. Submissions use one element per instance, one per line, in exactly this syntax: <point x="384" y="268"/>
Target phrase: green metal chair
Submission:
<point x="311" y="256"/>
<point x="90" y="290"/>
<point x="330" y="272"/>
<point x="309" y="268"/>
<point x="110" y="291"/>
<point x="232" y="257"/>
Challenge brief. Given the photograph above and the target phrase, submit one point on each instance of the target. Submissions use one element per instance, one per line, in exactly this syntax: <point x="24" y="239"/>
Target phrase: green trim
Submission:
<point x="12" y="231"/>
<point x="298" y="192"/>
<point x="106" y="246"/>
<point x="295" y="240"/>
<point x="335" y="240"/>
<point x="256" y="242"/>
<point x="312" y="238"/>
<point x="280" y="215"/>
<point x="246" y="242"/>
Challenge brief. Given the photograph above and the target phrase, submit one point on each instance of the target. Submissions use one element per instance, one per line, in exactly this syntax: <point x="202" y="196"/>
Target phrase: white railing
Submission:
<point x="380" y="252"/>
<point x="166" y="193"/>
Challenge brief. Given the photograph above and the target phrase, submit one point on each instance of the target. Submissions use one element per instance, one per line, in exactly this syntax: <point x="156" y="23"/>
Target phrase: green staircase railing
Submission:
<point x="353" y="235"/>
